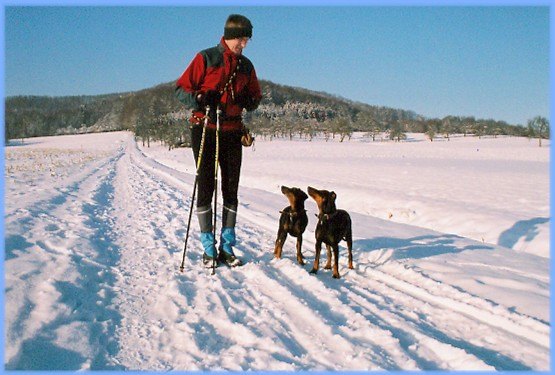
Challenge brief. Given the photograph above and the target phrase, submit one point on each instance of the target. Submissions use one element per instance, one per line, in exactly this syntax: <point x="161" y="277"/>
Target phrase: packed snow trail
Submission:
<point x="93" y="282"/>
<point x="60" y="275"/>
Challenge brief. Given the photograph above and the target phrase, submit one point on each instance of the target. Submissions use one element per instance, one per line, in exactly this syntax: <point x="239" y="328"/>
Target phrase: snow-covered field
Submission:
<point x="451" y="254"/>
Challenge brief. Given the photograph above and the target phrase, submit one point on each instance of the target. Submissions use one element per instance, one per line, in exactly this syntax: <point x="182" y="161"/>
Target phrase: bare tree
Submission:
<point x="539" y="127"/>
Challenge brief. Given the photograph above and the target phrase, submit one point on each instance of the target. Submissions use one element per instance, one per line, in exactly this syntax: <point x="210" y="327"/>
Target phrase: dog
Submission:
<point x="293" y="221"/>
<point x="333" y="226"/>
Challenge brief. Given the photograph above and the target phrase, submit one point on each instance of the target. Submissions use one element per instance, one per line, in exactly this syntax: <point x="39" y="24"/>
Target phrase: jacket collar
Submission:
<point x="224" y="48"/>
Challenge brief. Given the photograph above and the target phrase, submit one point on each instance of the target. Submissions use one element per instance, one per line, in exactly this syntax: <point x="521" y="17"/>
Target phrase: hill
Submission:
<point x="155" y="113"/>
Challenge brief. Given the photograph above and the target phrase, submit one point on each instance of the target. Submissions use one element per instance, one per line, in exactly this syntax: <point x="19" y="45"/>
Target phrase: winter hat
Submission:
<point x="237" y="26"/>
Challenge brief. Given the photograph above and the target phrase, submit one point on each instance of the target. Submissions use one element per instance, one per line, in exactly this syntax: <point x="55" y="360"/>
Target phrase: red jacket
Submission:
<point x="211" y="69"/>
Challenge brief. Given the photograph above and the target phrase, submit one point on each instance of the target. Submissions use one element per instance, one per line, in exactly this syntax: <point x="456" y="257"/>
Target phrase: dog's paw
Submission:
<point x="313" y="271"/>
<point x="336" y="276"/>
<point x="327" y="267"/>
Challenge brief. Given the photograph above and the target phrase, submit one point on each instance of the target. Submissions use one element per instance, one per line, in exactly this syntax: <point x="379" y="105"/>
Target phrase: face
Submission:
<point x="236" y="45"/>
<point x="324" y="199"/>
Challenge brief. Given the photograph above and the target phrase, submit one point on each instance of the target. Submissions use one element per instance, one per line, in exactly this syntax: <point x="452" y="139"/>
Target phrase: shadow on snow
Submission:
<point x="523" y="228"/>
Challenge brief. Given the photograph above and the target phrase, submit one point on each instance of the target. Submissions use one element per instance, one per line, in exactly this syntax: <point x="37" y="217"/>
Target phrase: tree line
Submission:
<point x="154" y="114"/>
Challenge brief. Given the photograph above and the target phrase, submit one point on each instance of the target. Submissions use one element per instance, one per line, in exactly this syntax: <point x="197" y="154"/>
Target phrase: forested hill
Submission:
<point x="284" y="110"/>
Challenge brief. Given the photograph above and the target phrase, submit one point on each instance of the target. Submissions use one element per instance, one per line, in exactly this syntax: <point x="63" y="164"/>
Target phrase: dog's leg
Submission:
<point x="328" y="263"/>
<point x="281" y="237"/>
<point x="336" y="261"/>
<point x="300" y="259"/>
<point x="349" y="239"/>
<point x="317" y="257"/>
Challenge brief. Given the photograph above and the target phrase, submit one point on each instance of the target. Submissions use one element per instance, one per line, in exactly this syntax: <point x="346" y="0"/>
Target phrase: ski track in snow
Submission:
<point x="95" y="284"/>
<point x="67" y="265"/>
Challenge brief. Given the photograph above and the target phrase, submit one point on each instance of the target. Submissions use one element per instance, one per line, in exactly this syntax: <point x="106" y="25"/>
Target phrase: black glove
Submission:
<point x="246" y="101"/>
<point x="209" y="98"/>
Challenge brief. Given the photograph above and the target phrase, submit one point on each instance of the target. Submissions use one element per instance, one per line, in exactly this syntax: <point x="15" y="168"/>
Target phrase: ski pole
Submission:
<point x="216" y="157"/>
<point x="199" y="160"/>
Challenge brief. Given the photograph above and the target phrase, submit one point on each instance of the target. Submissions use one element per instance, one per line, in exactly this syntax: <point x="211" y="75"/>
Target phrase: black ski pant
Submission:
<point x="230" y="156"/>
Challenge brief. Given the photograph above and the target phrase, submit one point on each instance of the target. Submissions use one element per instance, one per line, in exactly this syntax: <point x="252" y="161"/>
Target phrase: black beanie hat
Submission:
<point x="237" y="26"/>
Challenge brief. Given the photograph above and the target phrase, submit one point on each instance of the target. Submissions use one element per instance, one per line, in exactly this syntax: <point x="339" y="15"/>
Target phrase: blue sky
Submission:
<point x="488" y="62"/>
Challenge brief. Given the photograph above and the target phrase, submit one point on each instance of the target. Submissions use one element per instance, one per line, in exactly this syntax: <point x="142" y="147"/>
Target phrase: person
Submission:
<point x="220" y="77"/>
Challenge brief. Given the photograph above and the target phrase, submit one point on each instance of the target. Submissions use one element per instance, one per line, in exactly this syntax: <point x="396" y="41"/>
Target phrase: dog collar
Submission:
<point x="325" y="217"/>
<point x="291" y="213"/>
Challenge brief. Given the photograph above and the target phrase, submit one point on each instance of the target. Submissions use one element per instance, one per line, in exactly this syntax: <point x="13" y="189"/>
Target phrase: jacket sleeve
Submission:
<point x="189" y="82"/>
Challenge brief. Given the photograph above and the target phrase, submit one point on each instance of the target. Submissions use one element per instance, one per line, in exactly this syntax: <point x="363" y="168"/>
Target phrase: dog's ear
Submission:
<point x="333" y="196"/>
<point x="303" y="195"/>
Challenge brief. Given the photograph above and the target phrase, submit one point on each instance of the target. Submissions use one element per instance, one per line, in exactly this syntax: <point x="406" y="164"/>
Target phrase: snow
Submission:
<point x="451" y="255"/>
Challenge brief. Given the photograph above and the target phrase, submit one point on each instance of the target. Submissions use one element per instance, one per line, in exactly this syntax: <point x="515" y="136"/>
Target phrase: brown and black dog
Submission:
<point x="293" y="221"/>
<point x="333" y="226"/>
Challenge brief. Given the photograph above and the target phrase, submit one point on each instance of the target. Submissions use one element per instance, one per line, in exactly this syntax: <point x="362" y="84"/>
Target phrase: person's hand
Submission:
<point x="245" y="100"/>
<point x="209" y="98"/>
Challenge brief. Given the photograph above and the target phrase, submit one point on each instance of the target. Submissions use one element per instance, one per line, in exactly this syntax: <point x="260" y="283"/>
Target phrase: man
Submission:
<point x="220" y="77"/>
